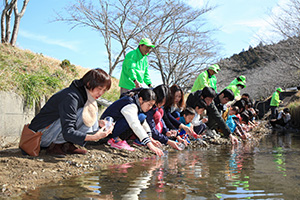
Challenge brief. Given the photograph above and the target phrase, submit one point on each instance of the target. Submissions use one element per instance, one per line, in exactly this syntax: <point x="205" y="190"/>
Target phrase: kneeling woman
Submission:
<point x="70" y="114"/>
<point x="129" y="116"/>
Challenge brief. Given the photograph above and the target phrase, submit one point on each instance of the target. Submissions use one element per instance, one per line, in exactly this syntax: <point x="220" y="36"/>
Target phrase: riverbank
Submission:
<point x="21" y="173"/>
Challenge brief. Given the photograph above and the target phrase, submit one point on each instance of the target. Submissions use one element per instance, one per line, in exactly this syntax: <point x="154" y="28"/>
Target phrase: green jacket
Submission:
<point x="235" y="90"/>
<point x="275" y="99"/>
<point x="235" y="82"/>
<point x="134" y="67"/>
<point x="201" y="81"/>
<point x="213" y="82"/>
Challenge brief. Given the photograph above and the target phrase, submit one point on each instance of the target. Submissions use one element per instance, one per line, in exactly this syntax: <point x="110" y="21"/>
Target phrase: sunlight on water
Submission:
<point x="266" y="171"/>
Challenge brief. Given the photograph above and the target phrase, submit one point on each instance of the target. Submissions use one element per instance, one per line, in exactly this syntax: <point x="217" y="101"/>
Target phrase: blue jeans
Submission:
<point x="54" y="135"/>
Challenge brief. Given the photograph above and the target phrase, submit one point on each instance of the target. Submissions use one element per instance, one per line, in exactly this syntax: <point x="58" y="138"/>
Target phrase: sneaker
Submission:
<point x="138" y="142"/>
<point x="126" y="146"/>
<point x="110" y="141"/>
<point x="70" y="148"/>
<point x="119" y="144"/>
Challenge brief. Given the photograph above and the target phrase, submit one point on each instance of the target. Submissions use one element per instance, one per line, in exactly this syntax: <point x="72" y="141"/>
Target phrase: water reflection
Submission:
<point x="247" y="171"/>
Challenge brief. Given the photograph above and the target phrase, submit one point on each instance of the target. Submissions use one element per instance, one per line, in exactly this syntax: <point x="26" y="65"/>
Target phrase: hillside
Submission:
<point x="266" y="67"/>
<point x="33" y="75"/>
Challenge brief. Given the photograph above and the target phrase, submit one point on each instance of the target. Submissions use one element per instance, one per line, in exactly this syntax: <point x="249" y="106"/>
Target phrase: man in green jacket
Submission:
<point x="241" y="78"/>
<point x="135" y="67"/>
<point x="213" y="79"/>
<point x="204" y="79"/>
<point x="236" y="89"/>
<point x="274" y="104"/>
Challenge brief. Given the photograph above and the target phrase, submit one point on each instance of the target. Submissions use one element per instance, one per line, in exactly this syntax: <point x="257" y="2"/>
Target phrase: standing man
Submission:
<point x="204" y="79"/>
<point x="135" y="67"/>
<point x="275" y="101"/>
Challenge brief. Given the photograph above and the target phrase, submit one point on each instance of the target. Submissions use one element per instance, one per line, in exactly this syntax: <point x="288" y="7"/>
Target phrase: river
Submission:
<point x="268" y="170"/>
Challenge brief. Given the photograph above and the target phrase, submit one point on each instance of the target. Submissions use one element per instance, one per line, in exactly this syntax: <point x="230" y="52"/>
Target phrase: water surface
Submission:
<point x="269" y="170"/>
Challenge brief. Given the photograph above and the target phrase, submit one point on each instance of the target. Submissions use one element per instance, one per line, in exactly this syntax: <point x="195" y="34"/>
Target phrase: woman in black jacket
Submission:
<point x="70" y="114"/>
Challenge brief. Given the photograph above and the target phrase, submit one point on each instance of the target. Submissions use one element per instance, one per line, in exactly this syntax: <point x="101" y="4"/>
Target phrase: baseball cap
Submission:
<point x="215" y="68"/>
<point x="279" y="89"/>
<point x="243" y="78"/>
<point x="146" y="42"/>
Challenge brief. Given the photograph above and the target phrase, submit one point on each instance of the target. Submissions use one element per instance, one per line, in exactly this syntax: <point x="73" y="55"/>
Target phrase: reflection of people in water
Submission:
<point x="141" y="182"/>
<point x="280" y="144"/>
<point x="237" y="161"/>
<point x="282" y="140"/>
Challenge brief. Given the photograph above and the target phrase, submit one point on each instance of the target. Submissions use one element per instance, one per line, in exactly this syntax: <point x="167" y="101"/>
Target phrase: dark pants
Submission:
<point x="199" y="129"/>
<point x="274" y="112"/>
<point x="122" y="128"/>
<point x="277" y="121"/>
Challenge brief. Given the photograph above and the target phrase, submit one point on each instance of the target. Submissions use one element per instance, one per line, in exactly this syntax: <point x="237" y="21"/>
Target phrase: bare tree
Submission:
<point x="275" y="64"/>
<point x="263" y="75"/>
<point x="115" y="20"/>
<point x="286" y="24"/>
<point x="9" y="7"/>
<point x="181" y="59"/>
<point x="167" y="23"/>
<point x="184" y="46"/>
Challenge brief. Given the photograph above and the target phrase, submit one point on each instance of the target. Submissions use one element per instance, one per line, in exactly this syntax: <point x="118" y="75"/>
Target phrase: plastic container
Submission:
<point x="181" y="146"/>
<point x="108" y="122"/>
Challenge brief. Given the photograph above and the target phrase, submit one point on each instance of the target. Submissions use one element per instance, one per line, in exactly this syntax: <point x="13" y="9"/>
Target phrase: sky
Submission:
<point x="239" y="22"/>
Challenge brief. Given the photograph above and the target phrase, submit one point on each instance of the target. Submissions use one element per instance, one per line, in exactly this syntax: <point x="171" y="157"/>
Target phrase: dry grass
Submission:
<point x="295" y="111"/>
<point x="33" y="75"/>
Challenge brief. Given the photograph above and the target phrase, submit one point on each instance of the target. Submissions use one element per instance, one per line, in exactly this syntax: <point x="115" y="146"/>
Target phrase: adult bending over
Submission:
<point x="70" y="114"/>
<point x="214" y="107"/>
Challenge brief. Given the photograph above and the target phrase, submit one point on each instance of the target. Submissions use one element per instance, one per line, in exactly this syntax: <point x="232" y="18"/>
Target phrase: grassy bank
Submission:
<point x="33" y="75"/>
<point x="295" y="111"/>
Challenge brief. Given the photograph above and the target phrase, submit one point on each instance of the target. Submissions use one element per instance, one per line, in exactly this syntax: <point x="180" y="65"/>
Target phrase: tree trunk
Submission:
<point x="18" y="17"/>
<point x="15" y="31"/>
<point x="2" y="27"/>
<point x="5" y="20"/>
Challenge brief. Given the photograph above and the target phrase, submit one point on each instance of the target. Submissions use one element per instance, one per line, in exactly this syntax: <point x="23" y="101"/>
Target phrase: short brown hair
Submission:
<point x="95" y="78"/>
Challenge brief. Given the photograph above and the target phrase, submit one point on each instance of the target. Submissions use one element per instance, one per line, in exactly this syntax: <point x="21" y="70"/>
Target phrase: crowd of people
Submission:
<point x="152" y="117"/>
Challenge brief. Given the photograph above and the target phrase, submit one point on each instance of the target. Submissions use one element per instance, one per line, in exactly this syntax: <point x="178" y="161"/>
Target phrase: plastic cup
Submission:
<point x="108" y="122"/>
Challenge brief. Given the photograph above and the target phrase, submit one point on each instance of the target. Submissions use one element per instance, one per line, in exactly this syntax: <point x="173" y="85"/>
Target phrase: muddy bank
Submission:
<point x="21" y="173"/>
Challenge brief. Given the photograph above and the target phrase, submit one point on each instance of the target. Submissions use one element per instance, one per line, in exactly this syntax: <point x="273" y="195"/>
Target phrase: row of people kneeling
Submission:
<point x="155" y="117"/>
<point x="161" y="116"/>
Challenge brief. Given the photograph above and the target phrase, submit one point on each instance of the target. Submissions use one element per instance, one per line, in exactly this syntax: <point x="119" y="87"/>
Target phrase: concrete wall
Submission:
<point x="13" y="115"/>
